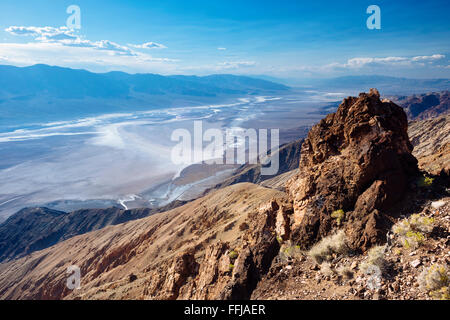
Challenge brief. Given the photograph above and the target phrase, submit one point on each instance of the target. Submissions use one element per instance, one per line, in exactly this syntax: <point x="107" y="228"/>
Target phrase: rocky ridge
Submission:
<point x="431" y="141"/>
<point x="216" y="247"/>
<point x="34" y="229"/>
<point x="425" y="106"/>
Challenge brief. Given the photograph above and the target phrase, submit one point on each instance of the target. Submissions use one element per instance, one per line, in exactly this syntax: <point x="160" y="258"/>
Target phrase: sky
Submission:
<point x="278" y="38"/>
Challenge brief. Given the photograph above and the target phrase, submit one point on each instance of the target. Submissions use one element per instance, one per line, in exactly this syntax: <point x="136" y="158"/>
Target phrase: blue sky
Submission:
<point x="289" y="39"/>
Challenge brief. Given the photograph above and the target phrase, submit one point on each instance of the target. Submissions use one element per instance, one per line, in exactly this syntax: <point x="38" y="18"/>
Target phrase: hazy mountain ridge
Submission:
<point x="16" y="82"/>
<point x="45" y="93"/>
<point x="387" y="84"/>
<point x="417" y="106"/>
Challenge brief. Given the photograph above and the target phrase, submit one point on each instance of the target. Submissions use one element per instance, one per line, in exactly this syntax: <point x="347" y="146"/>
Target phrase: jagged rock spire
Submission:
<point x="358" y="160"/>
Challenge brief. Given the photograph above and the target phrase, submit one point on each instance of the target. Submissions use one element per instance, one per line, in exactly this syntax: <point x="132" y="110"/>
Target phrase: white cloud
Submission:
<point x="236" y="64"/>
<point x="360" y="62"/>
<point x="148" y="45"/>
<point x="68" y="37"/>
<point x="32" y="31"/>
<point x="43" y="33"/>
<point x="222" y="48"/>
<point x="429" y="58"/>
<point x="63" y="46"/>
<point x="83" y="56"/>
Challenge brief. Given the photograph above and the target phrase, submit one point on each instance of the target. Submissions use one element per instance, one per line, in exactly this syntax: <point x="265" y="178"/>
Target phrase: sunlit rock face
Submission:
<point x="358" y="160"/>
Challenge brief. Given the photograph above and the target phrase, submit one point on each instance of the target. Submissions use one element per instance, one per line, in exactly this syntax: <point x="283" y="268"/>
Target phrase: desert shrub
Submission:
<point x="411" y="231"/>
<point x="375" y="258"/>
<point x="132" y="277"/>
<point x="345" y="272"/>
<point x="424" y="182"/>
<point x="327" y="247"/>
<point x="339" y="215"/>
<point x="233" y="254"/>
<point x="421" y="223"/>
<point x="326" y="269"/>
<point x="231" y="267"/>
<point x="289" y="251"/>
<point x="435" y="282"/>
<point x="280" y="240"/>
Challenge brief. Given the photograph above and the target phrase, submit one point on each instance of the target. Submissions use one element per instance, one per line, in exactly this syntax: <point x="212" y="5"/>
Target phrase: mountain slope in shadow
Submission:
<point x="33" y="229"/>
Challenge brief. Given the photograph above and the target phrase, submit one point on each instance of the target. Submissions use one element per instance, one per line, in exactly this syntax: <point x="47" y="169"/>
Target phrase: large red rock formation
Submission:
<point x="358" y="160"/>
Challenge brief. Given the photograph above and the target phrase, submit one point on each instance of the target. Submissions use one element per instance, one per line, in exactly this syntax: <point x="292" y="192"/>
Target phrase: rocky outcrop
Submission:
<point x="358" y="160"/>
<point x="228" y="269"/>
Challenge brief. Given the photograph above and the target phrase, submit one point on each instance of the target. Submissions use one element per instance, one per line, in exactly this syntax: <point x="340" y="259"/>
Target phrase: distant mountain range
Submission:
<point x="42" y="92"/>
<point x="356" y="84"/>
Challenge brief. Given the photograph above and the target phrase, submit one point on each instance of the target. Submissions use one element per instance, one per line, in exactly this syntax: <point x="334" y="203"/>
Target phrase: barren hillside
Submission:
<point x="431" y="141"/>
<point x="145" y="247"/>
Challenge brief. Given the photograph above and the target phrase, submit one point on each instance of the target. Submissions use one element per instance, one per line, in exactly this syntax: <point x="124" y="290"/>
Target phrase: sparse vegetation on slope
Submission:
<point x="411" y="232"/>
<point x="375" y="258"/>
<point x="435" y="281"/>
<point x="330" y="247"/>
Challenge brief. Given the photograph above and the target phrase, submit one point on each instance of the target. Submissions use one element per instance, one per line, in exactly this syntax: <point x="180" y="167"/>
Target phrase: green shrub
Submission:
<point x="435" y="281"/>
<point x="413" y="239"/>
<point x="233" y="255"/>
<point x="231" y="267"/>
<point x="335" y="244"/>
<point x="411" y="231"/>
<point x="425" y="182"/>
<point x="339" y="215"/>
